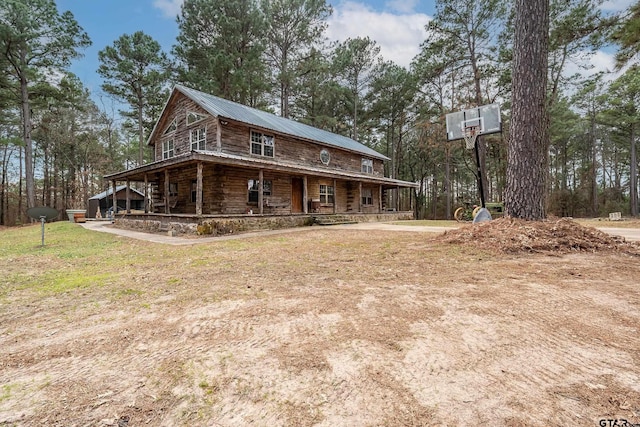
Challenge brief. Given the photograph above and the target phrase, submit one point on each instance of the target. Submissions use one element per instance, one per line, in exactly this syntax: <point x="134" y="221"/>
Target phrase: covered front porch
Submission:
<point x="200" y="184"/>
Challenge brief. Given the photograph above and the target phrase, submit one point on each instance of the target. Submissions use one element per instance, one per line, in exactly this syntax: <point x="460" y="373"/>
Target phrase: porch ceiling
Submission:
<point x="214" y="157"/>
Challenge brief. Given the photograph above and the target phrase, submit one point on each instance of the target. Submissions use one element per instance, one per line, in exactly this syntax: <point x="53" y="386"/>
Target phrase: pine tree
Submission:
<point x="35" y="39"/>
<point x="529" y="132"/>
<point x="293" y="28"/>
<point x="220" y="49"/>
<point x="136" y="70"/>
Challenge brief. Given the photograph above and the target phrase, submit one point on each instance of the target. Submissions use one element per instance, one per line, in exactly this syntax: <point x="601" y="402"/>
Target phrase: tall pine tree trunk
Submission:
<point x="28" y="144"/>
<point x="140" y="128"/>
<point x="529" y="134"/>
<point x="633" y="181"/>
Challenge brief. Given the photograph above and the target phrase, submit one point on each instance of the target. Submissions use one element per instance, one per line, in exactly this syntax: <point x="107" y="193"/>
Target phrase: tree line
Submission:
<point x="57" y="141"/>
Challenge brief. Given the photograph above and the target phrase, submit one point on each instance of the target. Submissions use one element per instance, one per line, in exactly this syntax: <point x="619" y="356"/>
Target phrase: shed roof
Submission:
<point x="224" y="108"/>
<point x="109" y="192"/>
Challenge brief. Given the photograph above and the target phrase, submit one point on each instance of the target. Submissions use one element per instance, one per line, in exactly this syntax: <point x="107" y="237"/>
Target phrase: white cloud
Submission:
<point x="398" y="35"/>
<point x="592" y="64"/>
<point x="602" y="61"/>
<point x="170" y="8"/>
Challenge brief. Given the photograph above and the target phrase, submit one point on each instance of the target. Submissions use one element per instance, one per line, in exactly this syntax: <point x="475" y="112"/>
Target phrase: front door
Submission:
<point x="296" y="195"/>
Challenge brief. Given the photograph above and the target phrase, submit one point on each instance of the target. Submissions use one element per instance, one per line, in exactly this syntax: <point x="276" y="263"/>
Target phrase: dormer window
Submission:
<point x="171" y="128"/>
<point x="198" y="138"/>
<point x="167" y="149"/>
<point x="367" y="166"/>
<point x="193" y="117"/>
<point x="261" y="144"/>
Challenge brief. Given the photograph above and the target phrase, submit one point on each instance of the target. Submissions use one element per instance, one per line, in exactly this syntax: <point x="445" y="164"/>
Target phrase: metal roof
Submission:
<point x="110" y="191"/>
<point x="224" y="108"/>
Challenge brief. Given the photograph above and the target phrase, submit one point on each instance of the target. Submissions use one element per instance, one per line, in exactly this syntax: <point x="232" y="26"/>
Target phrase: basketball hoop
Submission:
<point x="470" y="135"/>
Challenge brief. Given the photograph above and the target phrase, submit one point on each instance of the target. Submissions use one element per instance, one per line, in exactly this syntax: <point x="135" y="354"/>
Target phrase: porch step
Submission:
<point x="332" y="220"/>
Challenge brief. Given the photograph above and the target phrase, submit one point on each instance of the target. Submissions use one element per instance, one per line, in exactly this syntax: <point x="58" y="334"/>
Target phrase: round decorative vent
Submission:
<point x="325" y="157"/>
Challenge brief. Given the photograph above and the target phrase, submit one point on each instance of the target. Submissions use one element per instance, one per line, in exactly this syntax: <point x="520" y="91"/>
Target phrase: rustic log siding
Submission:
<point x="225" y="175"/>
<point x="237" y="192"/>
<point x="178" y="109"/>
<point x="341" y="193"/>
<point x="354" y="198"/>
<point x="375" y="192"/>
<point x="378" y="167"/>
<point x="211" y="185"/>
<point x="225" y="190"/>
<point x="236" y="140"/>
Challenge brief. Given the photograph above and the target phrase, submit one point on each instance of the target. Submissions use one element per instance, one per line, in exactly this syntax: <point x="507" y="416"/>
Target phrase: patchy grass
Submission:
<point x="325" y="326"/>
<point x="72" y="259"/>
<point x="62" y="239"/>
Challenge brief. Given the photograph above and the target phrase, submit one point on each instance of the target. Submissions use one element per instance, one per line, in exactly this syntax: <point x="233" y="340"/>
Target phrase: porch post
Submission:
<point x="335" y="195"/>
<point x="380" y="198"/>
<point x="115" y="198"/>
<point x="360" y="196"/>
<point x="397" y="199"/>
<point x="260" y="191"/>
<point x="199" y="190"/>
<point x="166" y="191"/>
<point x="305" y="195"/>
<point x="411" y="200"/>
<point x="146" y="193"/>
<point x="128" y="193"/>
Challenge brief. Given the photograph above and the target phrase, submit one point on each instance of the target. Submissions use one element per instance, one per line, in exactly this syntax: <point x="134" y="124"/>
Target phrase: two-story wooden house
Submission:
<point x="215" y="158"/>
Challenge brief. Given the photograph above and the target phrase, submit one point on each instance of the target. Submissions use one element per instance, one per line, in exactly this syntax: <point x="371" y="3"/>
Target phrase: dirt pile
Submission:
<point x="510" y="235"/>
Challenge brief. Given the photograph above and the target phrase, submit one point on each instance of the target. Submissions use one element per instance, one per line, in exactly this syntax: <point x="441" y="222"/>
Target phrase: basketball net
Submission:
<point x="470" y="135"/>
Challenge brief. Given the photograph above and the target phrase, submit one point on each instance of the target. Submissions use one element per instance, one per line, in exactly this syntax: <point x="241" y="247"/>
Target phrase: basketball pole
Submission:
<point x="478" y="167"/>
<point x="479" y="170"/>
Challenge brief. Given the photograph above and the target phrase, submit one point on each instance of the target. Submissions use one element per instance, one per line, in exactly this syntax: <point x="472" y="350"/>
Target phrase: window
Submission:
<point x="367" y="196"/>
<point x="252" y="186"/>
<point x="367" y="166"/>
<point x="325" y="157"/>
<point x="171" y="128"/>
<point x="173" y="189"/>
<point x="261" y="144"/>
<point x="198" y="138"/>
<point x="326" y="194"/>
<point x="167" y="149"/>
<point x="194" y="191"/>
<point x="194" y="117"/>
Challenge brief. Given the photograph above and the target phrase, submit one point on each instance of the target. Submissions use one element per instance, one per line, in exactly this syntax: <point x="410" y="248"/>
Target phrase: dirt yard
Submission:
<point x="330" y="327"/>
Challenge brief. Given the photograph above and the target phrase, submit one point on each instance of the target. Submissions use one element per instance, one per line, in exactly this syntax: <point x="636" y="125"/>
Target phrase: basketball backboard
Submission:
<point x="486" y="117"/>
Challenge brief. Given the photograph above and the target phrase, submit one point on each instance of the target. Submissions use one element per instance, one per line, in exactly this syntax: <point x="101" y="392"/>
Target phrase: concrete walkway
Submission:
<point x="107" y="227"/>
<point x="630" y="234"/>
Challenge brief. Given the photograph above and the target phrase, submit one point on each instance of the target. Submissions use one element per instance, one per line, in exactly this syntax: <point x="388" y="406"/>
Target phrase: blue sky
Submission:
<point x="397" y="26"/>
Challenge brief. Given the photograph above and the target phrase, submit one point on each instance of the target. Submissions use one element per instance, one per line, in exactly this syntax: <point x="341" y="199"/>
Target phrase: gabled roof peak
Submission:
<point x="224" y="108"/>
